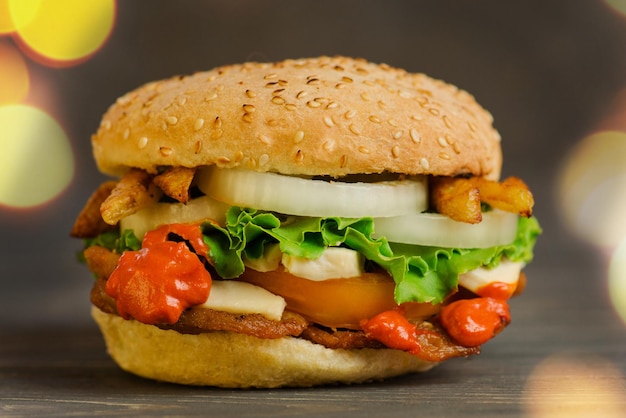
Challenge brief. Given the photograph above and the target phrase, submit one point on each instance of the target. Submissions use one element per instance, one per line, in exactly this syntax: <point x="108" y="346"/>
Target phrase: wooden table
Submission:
<point x="563" y="355"/>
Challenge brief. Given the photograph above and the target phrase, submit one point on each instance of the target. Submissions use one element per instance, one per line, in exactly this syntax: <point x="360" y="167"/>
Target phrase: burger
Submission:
<point x="305" y="222"/>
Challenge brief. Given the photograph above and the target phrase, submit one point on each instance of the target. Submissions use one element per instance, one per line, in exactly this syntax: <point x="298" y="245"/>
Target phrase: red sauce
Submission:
<point x="473" y="322"/>
<point x="394" y="330"/>
<point x="497" y="290"/>
<point x="157" y="283"/>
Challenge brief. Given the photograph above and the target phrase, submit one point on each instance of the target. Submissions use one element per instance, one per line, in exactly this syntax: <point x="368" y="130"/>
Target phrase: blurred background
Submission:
<point x="552" y="73"/>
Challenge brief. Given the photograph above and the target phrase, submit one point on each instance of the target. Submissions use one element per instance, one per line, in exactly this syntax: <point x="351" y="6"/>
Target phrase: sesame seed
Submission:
<point x="217" y="122"/>
<point x="417" y="117"/>
<point x="271" y="84"/>
<point x="433" y="111"/>
<point x="282" y="82"/>
<point x="313" y="81"/>
<point x="265" y="139"/>
<point x="291" y="106"/>
<point x="264" y="159"/>
<point x="331" y="105"/>
<point x="270" y="76"/>
<point x="395" y="151"/>
<point x="455" y="147"/>
<point x="247" y="117"/>
<point x="424" y="163"/>
<point x="313" y="104"/>
<point x="278" y="100"/>
<point x="397" y="134"/>
<point x="343" y="161"/>
<point x="346" y="79"/>
<point x="472" y="126"/>
<point x="182" y="100"/>
<point x="172" y="120"/>
<point x="216" y="134"/>
<point x="354" y="129"/>
<point x="366" y="97"/>
<point x="382" y="104"/>
<point x="248" y="108"/>
<point x="126" y="133"/>
<point x="369" y="83"/>
<point x="446" y="121"/>
<point x="350" y="114"/>
<point x="301" y="94"/>
<point x="393" y="123"/>
<point x="364" y="150"/>
<point x="143" y="141"/>
<point x="197" y="147"/>
<point x="222" y="160"/>
<point x="329" y="145"/>
<point x="238" y="156"/>
<point x="211" y="97"/>
<point x="328" y="121"/>
<point x="272" y="122"/>
<point x="299" y="156"/>
<point x="375" y="119"/>
<point x="278" y="91"/>
<point x="444" y="156"/>
<point x="198" y="124"/>
<point x="405" y="94"/>
<point x="415" y="136"/>
<point x="166" y="151"/>
<point x="442" y="141"/>
<point x="299" y="136"/>
<point x="250" y="94"/>
<point x="340" y="85"/>
<point x="106" y="124"/>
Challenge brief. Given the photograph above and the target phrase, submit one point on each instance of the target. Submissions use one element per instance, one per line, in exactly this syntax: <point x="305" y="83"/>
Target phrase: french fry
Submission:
<point x="89" y="222"/>
<point x="457" y="198"/>
<point x="133" y="192"/>
<point x="511" y="195"/>
<point x="460" y="198"/>
<point x="175" y="182"/>
<point x="100" y="260"/>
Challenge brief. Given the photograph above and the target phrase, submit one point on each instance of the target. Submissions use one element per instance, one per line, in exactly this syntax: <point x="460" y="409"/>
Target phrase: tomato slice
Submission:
<point x="337" y="303"/>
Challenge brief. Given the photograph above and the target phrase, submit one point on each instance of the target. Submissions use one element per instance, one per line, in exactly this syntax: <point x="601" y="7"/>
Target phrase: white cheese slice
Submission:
<point x="506" y="272"/>
<point x="244" y="298"/>
<point x="269" y="261"/>
<point x="334" y="263"/>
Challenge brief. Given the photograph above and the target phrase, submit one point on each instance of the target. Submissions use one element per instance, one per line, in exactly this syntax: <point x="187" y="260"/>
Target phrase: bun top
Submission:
<point x="321" y="116"/>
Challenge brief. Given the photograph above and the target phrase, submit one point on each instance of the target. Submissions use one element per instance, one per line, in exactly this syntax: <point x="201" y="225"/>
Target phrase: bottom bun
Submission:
<point x="232" y="360"/>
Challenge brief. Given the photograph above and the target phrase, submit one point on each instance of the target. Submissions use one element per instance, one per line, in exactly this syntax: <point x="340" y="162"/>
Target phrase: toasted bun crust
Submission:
<point x="244" y="361"/>
<point x="321" y="116"/>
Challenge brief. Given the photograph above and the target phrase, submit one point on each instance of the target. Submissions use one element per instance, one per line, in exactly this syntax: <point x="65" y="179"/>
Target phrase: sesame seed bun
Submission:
<point x="244" y="361"/>
<point x="321" y="116"/>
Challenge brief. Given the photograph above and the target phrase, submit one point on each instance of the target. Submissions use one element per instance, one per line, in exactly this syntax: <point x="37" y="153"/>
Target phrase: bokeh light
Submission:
<point x="14" y="78"/>
<point x="62" y="32"/>
<point x="36" y="161"/>
<point x="592" y="189"/>
<point x="573" y="386"/>
<point x="617" y="279"/>
<point x="617" y="5"/>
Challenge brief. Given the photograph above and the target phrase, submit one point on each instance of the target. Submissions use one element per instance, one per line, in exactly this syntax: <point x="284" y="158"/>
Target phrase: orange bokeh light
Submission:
<point x="62" y="32"/>
<point x="14" y="78"/>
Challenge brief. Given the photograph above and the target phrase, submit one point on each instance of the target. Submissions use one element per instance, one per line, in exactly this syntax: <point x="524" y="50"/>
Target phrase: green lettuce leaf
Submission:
<point x="422" y="274"/>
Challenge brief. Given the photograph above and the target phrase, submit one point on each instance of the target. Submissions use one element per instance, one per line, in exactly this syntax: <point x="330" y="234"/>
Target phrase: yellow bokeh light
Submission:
<point x="592" y="188"/>
<point x="617" y="279"/>
<point x="36" y="161"/>
<point x="14" y="79"/>
<point x="570" y="386"/>
<point x="63" y="31"/>
<point x="617" y="5"/>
